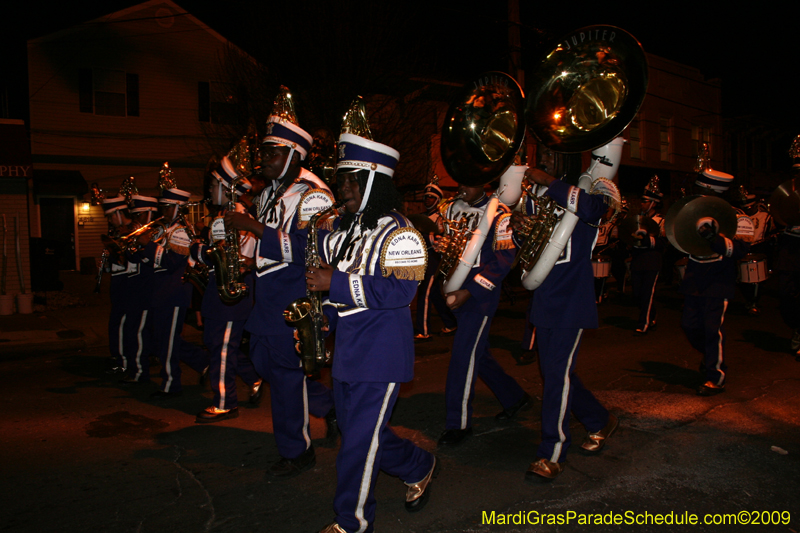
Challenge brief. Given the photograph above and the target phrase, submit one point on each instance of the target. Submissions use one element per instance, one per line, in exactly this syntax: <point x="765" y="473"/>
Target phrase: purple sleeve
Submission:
<point x="588" y="207"/>
<point x="371" y="292"/>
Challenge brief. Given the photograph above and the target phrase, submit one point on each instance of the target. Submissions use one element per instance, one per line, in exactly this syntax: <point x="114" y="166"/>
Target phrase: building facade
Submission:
<point x="117" y="97"/>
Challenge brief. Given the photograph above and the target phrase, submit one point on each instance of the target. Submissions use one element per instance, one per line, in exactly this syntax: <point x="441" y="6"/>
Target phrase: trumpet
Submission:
<point x="130" y="242"/>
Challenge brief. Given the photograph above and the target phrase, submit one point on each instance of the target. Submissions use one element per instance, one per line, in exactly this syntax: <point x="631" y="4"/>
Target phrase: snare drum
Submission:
<point x="680" y="265"/>
<point x="601" y="266"/>
<point x="753" y="268"/>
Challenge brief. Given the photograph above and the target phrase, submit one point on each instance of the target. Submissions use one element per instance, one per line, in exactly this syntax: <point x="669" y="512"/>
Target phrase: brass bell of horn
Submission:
<point x="587" y="89"/>
<point x="483" y="129"/>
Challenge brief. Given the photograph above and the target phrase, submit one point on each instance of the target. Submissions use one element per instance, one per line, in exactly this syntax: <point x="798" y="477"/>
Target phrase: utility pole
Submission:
<point x="515" y="44"/>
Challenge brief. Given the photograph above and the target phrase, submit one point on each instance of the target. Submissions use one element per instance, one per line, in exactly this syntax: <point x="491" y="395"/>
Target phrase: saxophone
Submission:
<point x="305" y="314"/>
<point x="224" y="254"/>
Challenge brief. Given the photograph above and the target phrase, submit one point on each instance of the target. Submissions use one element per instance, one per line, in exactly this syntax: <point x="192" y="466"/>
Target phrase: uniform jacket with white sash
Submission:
<point x="715" y="276"/>
<point x="279" y="283"/>
<point x="212" y="305"/>
<point x="372" y="288"/>
<point x="168" y="260"/>
<point x="485" y="279"/>
<point x="566" y="297"/>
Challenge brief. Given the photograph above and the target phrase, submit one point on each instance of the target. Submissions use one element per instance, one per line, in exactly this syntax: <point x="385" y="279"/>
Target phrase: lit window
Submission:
<point x="700" y="135"/>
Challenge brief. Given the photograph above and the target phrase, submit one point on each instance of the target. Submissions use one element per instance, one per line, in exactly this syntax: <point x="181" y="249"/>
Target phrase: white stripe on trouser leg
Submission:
<point x="650" y="305"/>
<point x="470" y="375"/>
<point x="140" y="348"/>
<point x="170" y="346"/>
<point x="223" y="363"/>
<point x="533" y="338"/>
<point x="564" y="400"/>
<point x="306" y="437"/>
<point x="366" y="475"/>
<point x="120" y="348"/>
<point x="427" y="304"/>
<point x="719" y="344"/>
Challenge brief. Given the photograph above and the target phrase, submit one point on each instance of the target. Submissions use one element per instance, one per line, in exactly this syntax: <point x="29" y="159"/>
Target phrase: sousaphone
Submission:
<point x="586" y="91"/>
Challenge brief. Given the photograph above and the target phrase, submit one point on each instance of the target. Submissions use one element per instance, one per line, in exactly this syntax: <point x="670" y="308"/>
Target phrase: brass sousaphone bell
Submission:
<point x="483" y="129"/>
<point x="682" y="219"/>
<point x="586" y="91"/>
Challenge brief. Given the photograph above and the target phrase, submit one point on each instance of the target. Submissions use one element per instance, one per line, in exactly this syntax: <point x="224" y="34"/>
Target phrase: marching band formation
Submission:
<point x="298" y="263"/>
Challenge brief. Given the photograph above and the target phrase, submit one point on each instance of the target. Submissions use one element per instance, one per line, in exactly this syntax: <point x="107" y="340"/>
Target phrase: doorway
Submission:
<point x="57" y="217"/>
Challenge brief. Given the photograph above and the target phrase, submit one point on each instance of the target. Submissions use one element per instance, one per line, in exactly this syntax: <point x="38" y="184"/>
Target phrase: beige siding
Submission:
<point x="169" y="62"/>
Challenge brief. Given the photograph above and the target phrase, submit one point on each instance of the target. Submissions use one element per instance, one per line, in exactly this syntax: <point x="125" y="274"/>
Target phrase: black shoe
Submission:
<point x="332" y="431"/>
<point x="446" y="332"/>
<point x="212" y="414"/>
<point x="255" y="393"/>
<point x="508" y="413"/>
<point x="418" y="493"/>
<point x="116" y="371"/>
<point x="452" y="437"/>
<point x="287" y="468"/>
<point x="710" y="389"/>
<point x="161" y="395"/>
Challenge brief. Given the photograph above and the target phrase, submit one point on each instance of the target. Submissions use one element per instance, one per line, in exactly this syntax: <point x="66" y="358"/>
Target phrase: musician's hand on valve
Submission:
<point x="457" y="298"/>
<point x="540" y="177"/>
<point x="319" y="278"/>
<point x="517" y="220"/>
<point x="144" y="238"/>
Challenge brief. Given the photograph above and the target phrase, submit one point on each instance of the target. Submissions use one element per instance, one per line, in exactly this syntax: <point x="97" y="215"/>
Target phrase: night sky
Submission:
<point x="751" y="51"/>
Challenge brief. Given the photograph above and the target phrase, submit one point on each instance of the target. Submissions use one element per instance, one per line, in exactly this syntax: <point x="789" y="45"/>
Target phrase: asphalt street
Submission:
<point x="81" y="452"/>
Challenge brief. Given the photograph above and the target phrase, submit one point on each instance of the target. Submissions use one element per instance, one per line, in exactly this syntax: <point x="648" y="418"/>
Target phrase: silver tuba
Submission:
<point x="305" y="314"/>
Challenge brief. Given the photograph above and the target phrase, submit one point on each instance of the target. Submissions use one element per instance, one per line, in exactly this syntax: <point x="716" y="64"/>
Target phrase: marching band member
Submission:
<point x="561" y="308"/>
<point x="171" y="297"/>
<point x="118" y="216"/>
<point x="708" y="286"/>
<point x="474" y="305"/>
<point x="372" y="262"/>
<point x="762" y="229"/>
<point x="430" y="290"/>
<point x="646" y="258"/>
<point x="137" y="332"/>
<point x="605" y="232"/>
<point x="291" y="197"/>
<point x="225" y="320"/>
<point x="788" y="266"/>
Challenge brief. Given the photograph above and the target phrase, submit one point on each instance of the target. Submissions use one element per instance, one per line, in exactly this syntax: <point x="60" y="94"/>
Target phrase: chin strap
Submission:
<point x="288" y="160"/>
<point x="365" y="196"/>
